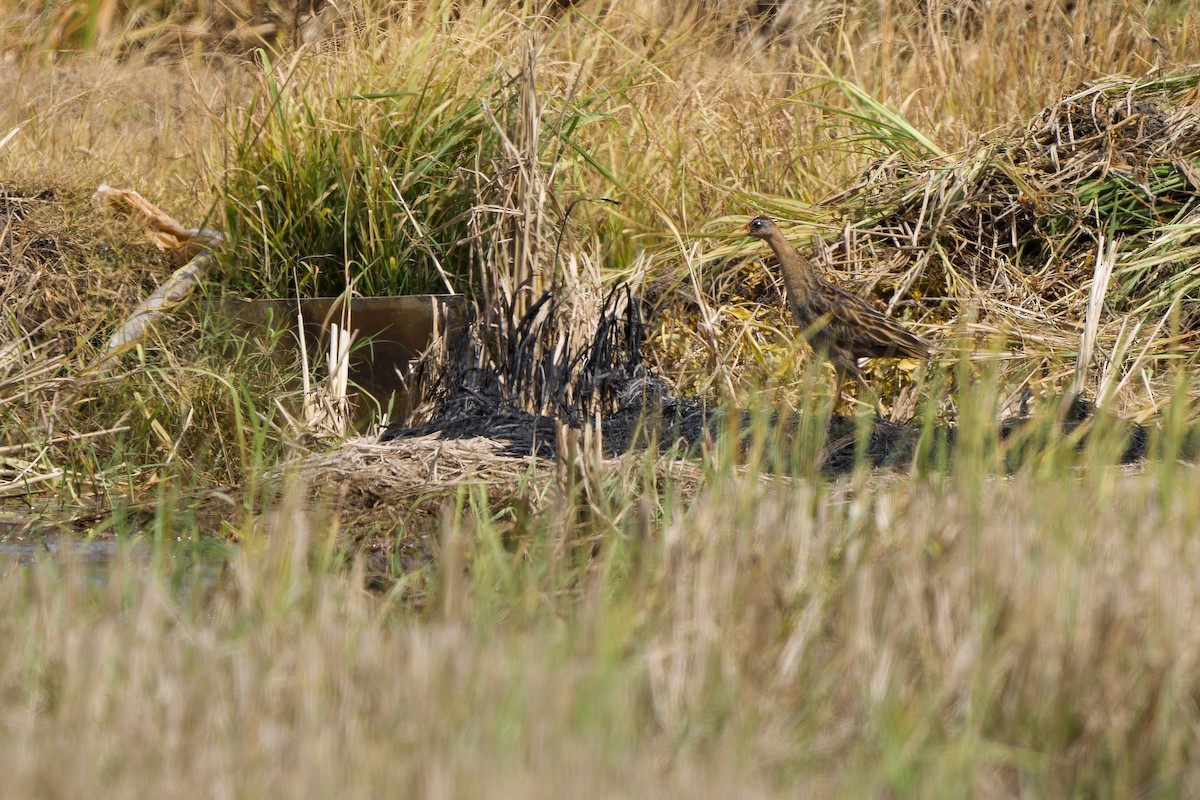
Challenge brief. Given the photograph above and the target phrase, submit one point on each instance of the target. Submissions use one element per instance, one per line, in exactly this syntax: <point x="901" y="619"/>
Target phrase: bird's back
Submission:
<point x="837" y="323"/>
<point x="844" y="324"/>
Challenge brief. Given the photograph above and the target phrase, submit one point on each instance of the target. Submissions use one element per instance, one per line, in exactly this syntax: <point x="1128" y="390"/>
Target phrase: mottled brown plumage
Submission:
<point x="839" y="326"/>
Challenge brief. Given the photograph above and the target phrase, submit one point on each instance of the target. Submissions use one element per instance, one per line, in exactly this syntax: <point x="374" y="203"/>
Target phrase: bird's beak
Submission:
<point x="746" y="227"/>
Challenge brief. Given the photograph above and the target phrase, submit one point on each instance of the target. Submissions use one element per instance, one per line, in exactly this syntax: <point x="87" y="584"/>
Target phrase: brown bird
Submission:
<point x="839" y="326"/>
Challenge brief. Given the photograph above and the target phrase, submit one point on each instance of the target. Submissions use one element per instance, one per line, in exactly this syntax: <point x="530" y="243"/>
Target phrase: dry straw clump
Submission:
<point x="1018" y="216"/>
<point x="62" y="269"/>
<point x="396" y="479"/>
<point x="1005" y="245"/>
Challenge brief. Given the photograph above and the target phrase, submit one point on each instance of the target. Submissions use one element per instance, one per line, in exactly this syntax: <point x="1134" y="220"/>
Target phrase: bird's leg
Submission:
<point x="866" y="396"/>
<point x="866" y="391"/>
<point x="838" y="382"/>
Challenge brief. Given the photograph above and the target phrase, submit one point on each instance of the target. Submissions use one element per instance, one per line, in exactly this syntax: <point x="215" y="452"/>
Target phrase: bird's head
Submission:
<point x="760" y="227"/>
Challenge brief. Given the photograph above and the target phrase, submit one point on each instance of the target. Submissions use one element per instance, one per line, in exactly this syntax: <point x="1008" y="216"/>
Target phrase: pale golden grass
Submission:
<point x="965" y="636"/>
<point x="716" y="110"/>
<point x="155" y="126"/>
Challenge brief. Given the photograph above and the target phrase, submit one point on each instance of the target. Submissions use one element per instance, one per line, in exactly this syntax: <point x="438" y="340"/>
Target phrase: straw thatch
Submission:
<point x="1018" y="217"/>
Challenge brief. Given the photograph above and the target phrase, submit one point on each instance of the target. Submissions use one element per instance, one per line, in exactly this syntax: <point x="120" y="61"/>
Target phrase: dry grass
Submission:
<point x="591" y="627"/>
<point x="853" y="640"/>
<point x="678" y="115"/>
<point x="997" y="247"/>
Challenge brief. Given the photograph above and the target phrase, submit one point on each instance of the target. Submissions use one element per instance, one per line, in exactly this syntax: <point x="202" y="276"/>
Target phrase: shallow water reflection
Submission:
<point x="199" y="565"/>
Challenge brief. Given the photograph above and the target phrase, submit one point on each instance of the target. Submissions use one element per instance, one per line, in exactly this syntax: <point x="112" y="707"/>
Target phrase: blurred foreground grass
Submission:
<point x="747" y="636"/>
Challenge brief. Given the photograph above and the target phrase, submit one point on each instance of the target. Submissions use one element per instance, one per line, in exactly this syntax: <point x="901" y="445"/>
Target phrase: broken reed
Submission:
<point x="416" y="168"/>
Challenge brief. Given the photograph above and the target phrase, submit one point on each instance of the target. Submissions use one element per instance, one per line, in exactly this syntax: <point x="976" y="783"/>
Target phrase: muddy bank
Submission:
<point x="685" y="425"/>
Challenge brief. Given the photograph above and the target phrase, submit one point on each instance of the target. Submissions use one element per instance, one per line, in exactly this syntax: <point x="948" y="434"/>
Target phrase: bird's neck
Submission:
<point x="799" y="275"/>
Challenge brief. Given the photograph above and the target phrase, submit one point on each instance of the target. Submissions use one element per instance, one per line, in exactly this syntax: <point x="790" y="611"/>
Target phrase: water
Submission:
<point x="200" y="564"/>
<point x="92" y="554"/>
